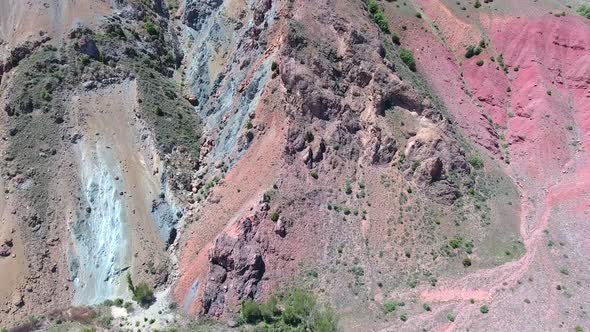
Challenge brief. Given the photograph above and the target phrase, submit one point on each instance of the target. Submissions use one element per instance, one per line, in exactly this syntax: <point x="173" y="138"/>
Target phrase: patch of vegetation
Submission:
<point x="299" y="310"/>
<point x="389" y="306"/>
<point x="476" y="162"/>
<point x="151" y="28"/>
<point x="484" y="309"/>
<point x="348" y="188"/>
<point x="477" y="4"/>
<point x="378" y="16"/>
<point x="408" y="58"/>
<point x="479" y="63"/>
<point x="142" y="293"/>
<point x="472" y="51"/>
<point x="172" y="118"/>
<point x="275" y="216"/>
<point x="584" y="10"/>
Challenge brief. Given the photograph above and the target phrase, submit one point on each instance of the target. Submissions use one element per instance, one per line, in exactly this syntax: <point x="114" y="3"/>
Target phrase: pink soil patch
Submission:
<point x="552" y="54"/>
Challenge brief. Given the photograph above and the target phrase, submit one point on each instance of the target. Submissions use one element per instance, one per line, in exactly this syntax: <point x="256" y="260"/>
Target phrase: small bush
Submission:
<point x="250" y="312"/>
<point x="275" y="216"/>
<point x="408" y="58"/>
<point x="451" y="317"/>
<point x="298" y="308"/>
<point x="418" y="15"/>
<point x="476" y="162"/>
<point x="378" y="16"/>
<point x="584" y="10"/>
<point x="314" y="174"/>
<point x="269" y="310"/>
<point x="403" y="317"/>
<point x="150" y="27"/>
<point x="144" y="295"/>
<point x="381" y="21"/>
<point x="477" y="4"/>
<point x="426" y="307"/>
<point x="373" y="7"/>
<point x="484" y="309"/>
<point x="479" y="63"/>
<point x="85" y="60"/>
<point x="472" y="51"/>
<point x="390" y="306"/>
<point x="456" y="243"/>
<point x="348" y="188"/>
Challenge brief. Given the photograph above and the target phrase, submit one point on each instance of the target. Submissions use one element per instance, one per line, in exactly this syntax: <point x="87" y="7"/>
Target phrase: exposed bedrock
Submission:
<point x="101" y="250"/>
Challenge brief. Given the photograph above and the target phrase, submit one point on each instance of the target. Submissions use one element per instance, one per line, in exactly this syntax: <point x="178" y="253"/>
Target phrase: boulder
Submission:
<point x="87" y="46"/>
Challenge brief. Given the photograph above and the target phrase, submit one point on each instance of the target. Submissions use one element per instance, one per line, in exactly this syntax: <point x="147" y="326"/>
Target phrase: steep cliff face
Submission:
<point x="365" y="185"/>
<point x="99" y="144"/>
<point x="224" y="151"/>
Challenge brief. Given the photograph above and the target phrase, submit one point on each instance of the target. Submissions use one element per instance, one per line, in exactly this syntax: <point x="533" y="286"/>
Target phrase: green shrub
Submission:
<point x="151" y="28"/>
<point x="298" y="307"/>
<point x="418" y="15"/>
<point x="85" y="60"/>
<point x="314" y="174"/>
<point x="118" y="302"/>
<point x="407" y="58"/>
<point x="373" y="7"/>
<point x="348" y="188"/>
<point x="477" y="4"/>
<point x="403" y="317"/>
<point x="250" y="312"/>
<point x="275" y="216"/>
<point x="130" y="283"/>
<point x="144" y="295"/>
<point x="298" y="310"/>
<point x="269" y="310"/>
<point x="389" y="306"/>
<point x="479" y="63"/>
<point x="584" y="10"/>
<point x="456" y="242"/>
<point x="484" y="309"/>
<point x="426" y="307"/>
<point x="381" y="21"/>
<point x="451" y="317"/>
<point x="378" y="16"/>
<point x="476" y="162"/>
<point x="472" y="51"/>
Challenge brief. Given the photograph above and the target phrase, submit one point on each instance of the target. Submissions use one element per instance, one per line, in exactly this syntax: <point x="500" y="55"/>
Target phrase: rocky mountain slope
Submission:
<point x="322" y="165"/>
